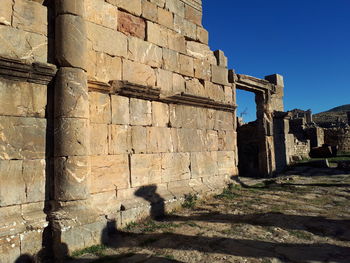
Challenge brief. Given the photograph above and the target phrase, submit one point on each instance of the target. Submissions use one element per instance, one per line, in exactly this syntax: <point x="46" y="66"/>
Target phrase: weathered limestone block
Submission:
<point x="75" y="7"/>
<point x="140" y="112"/>
<point x="160" y="3"/>
<point x="186" y="65"/>
<point x="71" y="94"/>
<point x="34" y="216"/>
<point x="22" y="99"/>
<point x="119" y="139"/>
<point x="22" y="138"/>
<point x="194" y="87"/>
<point x="224" y="121"/>
<point x="227" y="140"/>
<point x="109" y="173"/>
<point x="150" y="11"/>
<point x="146" y="169"/>
<point x="175" y="167"/>
<point x="220" y="58"/>
<point x="219" y="75"/>
<point x="201" y="117"/>
<point x="212" y="141"/>
<point x="106" y="73"/>
<point x="182" y="116"/>
<point x="23" y="45"/>
<point x="6" y="12"/>
<point x="211" y="119"/>
<point x="34" y="177"/>
<point x="226" y="163"/>
<point x="203" y="164"/>
<point x="176" y="42"/>
<point x="164" y="81"/>
<point x="138" y="73"/>
<point x="200" y="51"/>
<point x="216" y="183"/>
<point x="177" y="7"/>
<point x="180" y="188"/>
<point x="214" y="91"/>
<point x="132" y="6"/>
<point x="99" y="139"/>
<point x="30" y="16"/>
<point x="10" y="248"/>
<point x="229" y="95"/>
<point x="11" y="221"/>
<point x="120" y="109"/>
<point x="160" y="114"/>
<point x="188" y="140"/>
<point x="14" y="190"/>
<point x="157" y="34"/>
<point x="138" y="142"/>
<point x="193" y="15"/>
<point x="158" y="140"/>
<point x="165" y="18"/>
<point x="102" y="13"/>
<point x="100" y="107"/>
<point x="107" y="40"/>
<point x="171" y="60"/>
<point x="202" y="69"/>
<point x="71" y="33"/>
<point x="144" y="52"/>
<point x="189" y="29"/>
<point x="202" y="35"/>
<point x="72" y="137"/>
<point x="72" y="178"/>
<point x="179" y="26"/>
<point x="31" y="241"/>
<point x="131" y="25"/>
<point x="178" y="83"/>
<point x="105" y="203"/>
<point x="197" y="185"/>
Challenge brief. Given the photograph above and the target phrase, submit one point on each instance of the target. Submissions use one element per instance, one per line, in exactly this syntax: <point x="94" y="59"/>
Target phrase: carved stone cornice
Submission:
<point x="21" y="70"/>
<point x="127" y="89"/>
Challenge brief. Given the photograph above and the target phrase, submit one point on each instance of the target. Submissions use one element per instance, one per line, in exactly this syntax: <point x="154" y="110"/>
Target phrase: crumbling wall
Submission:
<point x="339" y="137"/>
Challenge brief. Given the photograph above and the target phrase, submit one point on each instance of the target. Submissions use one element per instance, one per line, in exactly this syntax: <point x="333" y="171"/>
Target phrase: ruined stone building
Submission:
<point x="109" y="108"/>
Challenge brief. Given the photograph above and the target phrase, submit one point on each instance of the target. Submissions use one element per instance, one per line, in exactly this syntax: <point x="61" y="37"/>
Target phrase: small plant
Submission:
<point x="97" y="250"/>
<point x="171" y="257"/>
<point x="131" y="225"/>
<point x="301" y="234"/>
<point x="190" y="201"/>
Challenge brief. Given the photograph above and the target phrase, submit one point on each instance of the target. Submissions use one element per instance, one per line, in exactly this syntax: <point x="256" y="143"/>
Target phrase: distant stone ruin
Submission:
<point x="112" y="109"/>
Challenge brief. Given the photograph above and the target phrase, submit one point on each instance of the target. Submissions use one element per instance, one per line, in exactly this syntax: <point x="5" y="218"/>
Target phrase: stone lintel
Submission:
<point x="21" y="70"/>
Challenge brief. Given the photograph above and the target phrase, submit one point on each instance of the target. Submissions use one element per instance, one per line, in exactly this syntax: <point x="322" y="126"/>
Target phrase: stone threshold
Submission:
<point x="127" y="89"/>
<point x="21" y="70"/>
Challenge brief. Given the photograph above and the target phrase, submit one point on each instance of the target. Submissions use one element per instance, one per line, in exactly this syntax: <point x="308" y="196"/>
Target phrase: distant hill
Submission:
<point x="332" y="115"/>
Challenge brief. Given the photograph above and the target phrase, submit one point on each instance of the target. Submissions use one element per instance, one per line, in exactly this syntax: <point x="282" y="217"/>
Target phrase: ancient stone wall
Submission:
<point x="338" y="137"/>
<point x="140" y="108"/>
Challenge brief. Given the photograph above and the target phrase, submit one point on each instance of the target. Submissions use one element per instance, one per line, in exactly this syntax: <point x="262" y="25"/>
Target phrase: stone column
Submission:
<point x="72" y="218"/>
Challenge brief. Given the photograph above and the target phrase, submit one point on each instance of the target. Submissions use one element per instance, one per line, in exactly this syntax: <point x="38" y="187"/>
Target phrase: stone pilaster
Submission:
<point x="73" y="222"/>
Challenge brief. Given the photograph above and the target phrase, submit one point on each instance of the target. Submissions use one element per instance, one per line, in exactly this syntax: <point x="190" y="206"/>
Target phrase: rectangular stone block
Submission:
<point x="157" y="34"/>
<point x="175" y="167"/>
<point x="193" y="15"/>
<point x="180" y="188"/>
<point x="221" y="59"/>
<point x="202" y="35"/>
<point x="102" y="13"/>
<point x="226" y="163"/>
<point x="189" y="29"/>
<point x="138" y="73"/>
<point x="202" y="69"/>
<point x="106" y="40"/>
<point x="14" y="190"/>
<point x="178" y="83"/>
<point x="107" y="68"/>
<point x="176" y="42"/>
<point x="119" y="139"/>
<point x="144" y="52"/>
<point x="215" y="92"/>
<point x="179" y="24"/>
<point x="120" y="110"/>
<point x="10" y="248"/>
<point x="20" y="44"/>
<point x="203" y="164"/>
<point x="132" y="6"/>
<point x="165" y="18"/>
<point x="229" y="95"/>
<point x="106" y="202"/>
<point x="227" y="140"/>
<point x="158" y="140"/>
<point x="22" y="138"/>
<point x="30" y="16"/>
<point x="224" y="121"/>
<point x="99" y="139"/>
<point x="34" y="175"/>
<point x="138" y="141"/>
<point x="6" y="12"/>
<point x="140" y="112"/>
<point x="182" y="116"/>
<point x="177" y="7"/>
<point x="160" y="114"/>
<point x="212" y="140"/>
<point x="188" y="140"/>
<point x="186" y="65"/>
<point x="131" y="25"/>
<point x="100" y="107"/>
<point x="160" y="3"/>
<point x="164" y="81"/>
<point x="150" y="11"/>
<point x="171" y="60"/>
<point x="146" y="169"/>
<point x="22" y="99"/>
<point x="219" y="75"/>
<point x="109" y="173"/>
<point x="195" y="87"/>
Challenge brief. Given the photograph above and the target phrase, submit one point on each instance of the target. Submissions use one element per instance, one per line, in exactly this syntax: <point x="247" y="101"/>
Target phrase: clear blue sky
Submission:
<point x="307" y="41"/>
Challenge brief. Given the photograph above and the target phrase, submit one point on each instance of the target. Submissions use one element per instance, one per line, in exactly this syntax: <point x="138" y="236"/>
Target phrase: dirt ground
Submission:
<point x="301" y="216"/>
